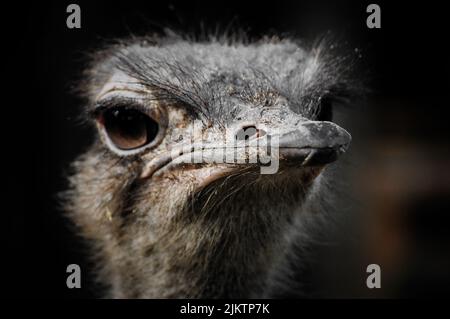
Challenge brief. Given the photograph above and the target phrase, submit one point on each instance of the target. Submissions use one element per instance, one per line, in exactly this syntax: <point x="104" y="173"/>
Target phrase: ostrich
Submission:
<point x="165" y="228"/>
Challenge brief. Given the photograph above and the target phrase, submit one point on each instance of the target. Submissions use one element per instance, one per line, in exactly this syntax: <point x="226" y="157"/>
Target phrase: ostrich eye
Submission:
<point x="325" y="109"/>
<point x="128" y="128"/>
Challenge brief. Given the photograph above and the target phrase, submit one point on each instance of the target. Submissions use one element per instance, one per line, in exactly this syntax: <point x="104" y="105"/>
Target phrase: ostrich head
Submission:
<point x="165" y="226"/>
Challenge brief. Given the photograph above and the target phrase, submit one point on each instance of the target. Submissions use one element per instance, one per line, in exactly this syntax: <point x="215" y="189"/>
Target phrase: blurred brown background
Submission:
<point x="399" y="181"/>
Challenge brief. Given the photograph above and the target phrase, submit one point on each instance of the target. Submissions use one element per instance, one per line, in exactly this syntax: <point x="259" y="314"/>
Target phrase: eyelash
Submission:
<point x="115" y="102"/>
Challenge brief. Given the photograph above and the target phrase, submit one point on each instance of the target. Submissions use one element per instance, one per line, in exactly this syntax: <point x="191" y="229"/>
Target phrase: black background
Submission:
<point x="407" y="57"/>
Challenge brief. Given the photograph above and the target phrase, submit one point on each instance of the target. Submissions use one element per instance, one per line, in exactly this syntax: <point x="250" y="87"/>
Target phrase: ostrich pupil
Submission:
<point x="129" y="129"/>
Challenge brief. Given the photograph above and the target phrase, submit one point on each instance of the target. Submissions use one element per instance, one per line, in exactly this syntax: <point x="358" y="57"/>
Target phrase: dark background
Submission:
<point x="403" y="176"/>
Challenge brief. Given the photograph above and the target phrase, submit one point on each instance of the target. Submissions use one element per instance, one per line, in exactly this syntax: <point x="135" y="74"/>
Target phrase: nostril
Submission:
<point x="248" y="132"/>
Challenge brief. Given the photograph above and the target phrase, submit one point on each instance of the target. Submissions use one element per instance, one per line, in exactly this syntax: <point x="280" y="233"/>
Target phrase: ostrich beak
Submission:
<point x="314" y="143"/>
<point x="309" y="143"/>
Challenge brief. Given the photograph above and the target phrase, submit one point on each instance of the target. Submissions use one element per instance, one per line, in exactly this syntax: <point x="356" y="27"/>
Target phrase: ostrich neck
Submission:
<point x="213" y="244"/>
<point x="228" y="252"/>
<point x="231" y="258"/>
